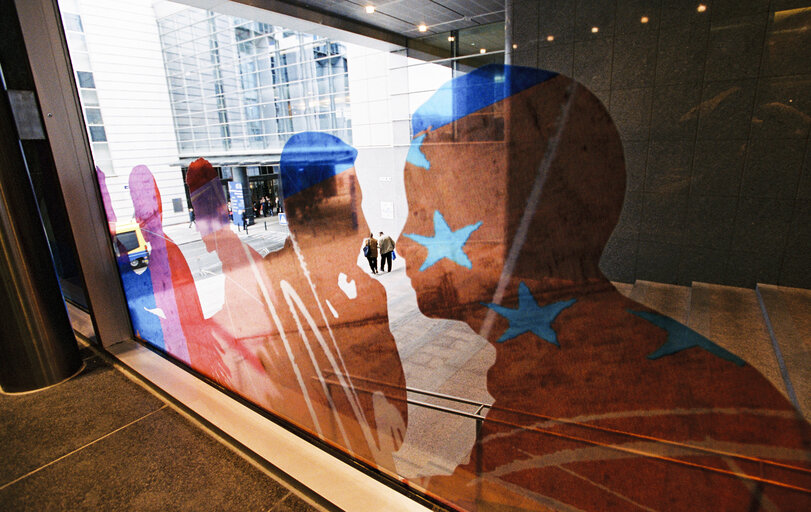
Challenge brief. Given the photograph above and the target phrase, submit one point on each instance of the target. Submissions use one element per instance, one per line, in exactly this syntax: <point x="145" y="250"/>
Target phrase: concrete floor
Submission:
<point x="99" y="441"/>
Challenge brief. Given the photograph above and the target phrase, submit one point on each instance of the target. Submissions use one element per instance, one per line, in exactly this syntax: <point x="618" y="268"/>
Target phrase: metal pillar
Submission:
<point x="37" y="345"/>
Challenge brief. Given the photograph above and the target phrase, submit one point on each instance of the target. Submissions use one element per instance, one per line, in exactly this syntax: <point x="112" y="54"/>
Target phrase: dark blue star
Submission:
<point x="680" y="337"/>
<point x="529" y="317"/>
<point x="445" y="243"/>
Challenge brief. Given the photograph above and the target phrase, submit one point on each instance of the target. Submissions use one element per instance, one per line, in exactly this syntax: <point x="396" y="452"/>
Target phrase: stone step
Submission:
<point x="731" y="317"/>
<point x="623" y="288"/>
<point x="788" y="311"/>
<point x="668" y="299"/>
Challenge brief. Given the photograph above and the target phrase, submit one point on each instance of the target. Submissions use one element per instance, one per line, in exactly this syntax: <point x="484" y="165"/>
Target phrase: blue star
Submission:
<point x="415" y="155"/>
<point x="529" y="317"/>
<point x="445" y="243"/>
<point x="680" y="337"/>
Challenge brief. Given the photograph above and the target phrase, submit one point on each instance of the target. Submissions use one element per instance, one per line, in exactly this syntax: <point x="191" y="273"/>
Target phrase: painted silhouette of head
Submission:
<point x="207" y="197"/>
<point x="146" y="198"/>
<point x="319" y="185"/>
<point x="513" y="173"/>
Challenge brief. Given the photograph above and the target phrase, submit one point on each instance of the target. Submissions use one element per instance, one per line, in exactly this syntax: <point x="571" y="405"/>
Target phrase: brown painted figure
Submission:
<point x="515" y="181"/>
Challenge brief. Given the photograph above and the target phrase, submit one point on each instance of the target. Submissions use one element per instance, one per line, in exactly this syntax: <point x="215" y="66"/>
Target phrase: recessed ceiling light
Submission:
<point x="594" y="30"/>
<point x="422" y="27"/>
<point x="701" y="8"/>
<point x="644" y="19"/>
<point x="370" y="9"/>
<point x="451" y="38"/>
<point x="482" y="50"/>
<point x="515" y="46"/>
<point x="550" y="38"/>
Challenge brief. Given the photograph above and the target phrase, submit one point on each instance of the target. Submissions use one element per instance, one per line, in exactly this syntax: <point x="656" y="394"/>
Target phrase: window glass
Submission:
<point x="86" y="79"/>
<point x="525" y="333"/>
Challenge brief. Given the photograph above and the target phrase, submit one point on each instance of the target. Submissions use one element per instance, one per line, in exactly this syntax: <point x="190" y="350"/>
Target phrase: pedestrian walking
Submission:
<point x="191" y="217"/>
<point x="386" y="246"/>
<point x="370" y="251"/>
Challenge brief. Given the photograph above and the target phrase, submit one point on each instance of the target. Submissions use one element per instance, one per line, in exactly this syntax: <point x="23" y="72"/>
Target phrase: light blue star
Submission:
<point x="529" y="317"/>
<point x="680" y="337"/>
<point x="415" y="155"/>
<point x="445" y="243"/>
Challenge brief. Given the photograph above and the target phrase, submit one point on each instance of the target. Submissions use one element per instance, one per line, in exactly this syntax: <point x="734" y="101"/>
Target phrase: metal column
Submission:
<point x="37" y="345"/>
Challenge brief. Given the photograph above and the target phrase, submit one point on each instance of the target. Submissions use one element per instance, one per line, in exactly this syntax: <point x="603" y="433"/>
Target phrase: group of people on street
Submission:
<point x="385" y="245"/>
<point x="266" y="207"/>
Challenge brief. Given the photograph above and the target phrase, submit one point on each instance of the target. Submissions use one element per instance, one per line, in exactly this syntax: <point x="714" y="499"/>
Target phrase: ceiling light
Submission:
<point x="550" y="38"/>
<point x="482" y="50"/>
<point x="451" y="38"/>
<point x="701" y="8"/>
<point x="422" y="27"/>
<point x="644" y="19"/>
<point x="594" y="30"/>
<point x="515" y="46"/>
<point x="370" y="9"/>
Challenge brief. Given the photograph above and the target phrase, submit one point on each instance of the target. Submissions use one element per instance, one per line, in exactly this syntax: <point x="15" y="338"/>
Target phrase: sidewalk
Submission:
<point x="99" y="441"/>
<point x="183" y="234"/>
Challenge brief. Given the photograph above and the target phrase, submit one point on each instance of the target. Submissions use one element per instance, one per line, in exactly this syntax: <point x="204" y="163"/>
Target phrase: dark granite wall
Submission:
<point x="714" y="109"/>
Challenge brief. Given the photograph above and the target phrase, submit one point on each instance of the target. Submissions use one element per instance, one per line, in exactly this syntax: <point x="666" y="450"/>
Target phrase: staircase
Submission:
<point x="769" y="327"/>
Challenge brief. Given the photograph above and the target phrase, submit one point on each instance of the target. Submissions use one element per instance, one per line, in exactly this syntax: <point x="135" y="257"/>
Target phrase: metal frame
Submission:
<point x="53" y="76"/>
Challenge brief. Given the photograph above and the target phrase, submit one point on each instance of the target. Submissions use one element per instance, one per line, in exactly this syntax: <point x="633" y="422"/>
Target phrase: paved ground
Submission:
<point x="101" y="442"/>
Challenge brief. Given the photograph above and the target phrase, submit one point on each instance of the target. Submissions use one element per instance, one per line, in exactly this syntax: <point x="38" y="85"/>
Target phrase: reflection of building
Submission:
<point x="240" y="88"/>
<point x="116" y="58"/>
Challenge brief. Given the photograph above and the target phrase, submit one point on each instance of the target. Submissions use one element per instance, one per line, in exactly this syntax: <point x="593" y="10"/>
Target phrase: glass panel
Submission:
<point x="85" y="79"/>
<point x="72" y="22"/>
<point x="92" y="116"/>
<point x="97" y="134"/>
<point x="499" y="363"/>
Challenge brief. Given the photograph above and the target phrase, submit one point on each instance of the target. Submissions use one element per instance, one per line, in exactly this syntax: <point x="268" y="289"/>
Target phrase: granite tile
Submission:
<point x="668" y="169"/>
<point x="630" y="12"/>
<point x="41" y="427"/>
<point x="524" y="23"/>
<point x="636" y="158"/>
<point x="701" y="265"/>
<point x="726" y="110"/>
<point x="556" y="57"/>
<point x="709" y="222"/>
<point x="675" y="112"/>
<point x="804" y="188"/>
<point x="681" y="53"/>
<point x="762" y="225"/>
<point x="634" y="62"/>
<point x="618" y="262"/>
<point x="658" y="262"/>
<point x="724" y="9"/>
<point x="593" y="13"/>
<point x="735" y="47"/>
<point x="799" y="238"/>
<point x="718" y="167"/>
<point x="556" y="19"/>
<point x="794" y="271"/>
<point x="592" y="63"/>
<point x="631" y="112"/>
<point x="787" y="50"/>
<point x="159" y="463"/>
<point x="293" y="503"/>
<point x="526" y="55"/>
<point x="746" y="269"/>
<point x="773" y="168"/>
<point x="630" y="217"/>
<point x="782" y="108"/>
<point x="663" y="217"/>
<point x="681" y="13"/>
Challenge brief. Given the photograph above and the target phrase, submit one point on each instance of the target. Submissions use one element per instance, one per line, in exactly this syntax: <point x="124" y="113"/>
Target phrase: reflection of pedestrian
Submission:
<point x="386" y="245"/>
<point x="191" y="216"/>
<point x="244" y="222"/>
<point x="370" y="251"/>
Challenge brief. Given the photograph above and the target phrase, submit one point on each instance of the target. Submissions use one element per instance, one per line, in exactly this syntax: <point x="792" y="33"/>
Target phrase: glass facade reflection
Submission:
<point x="238" y="85"/>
